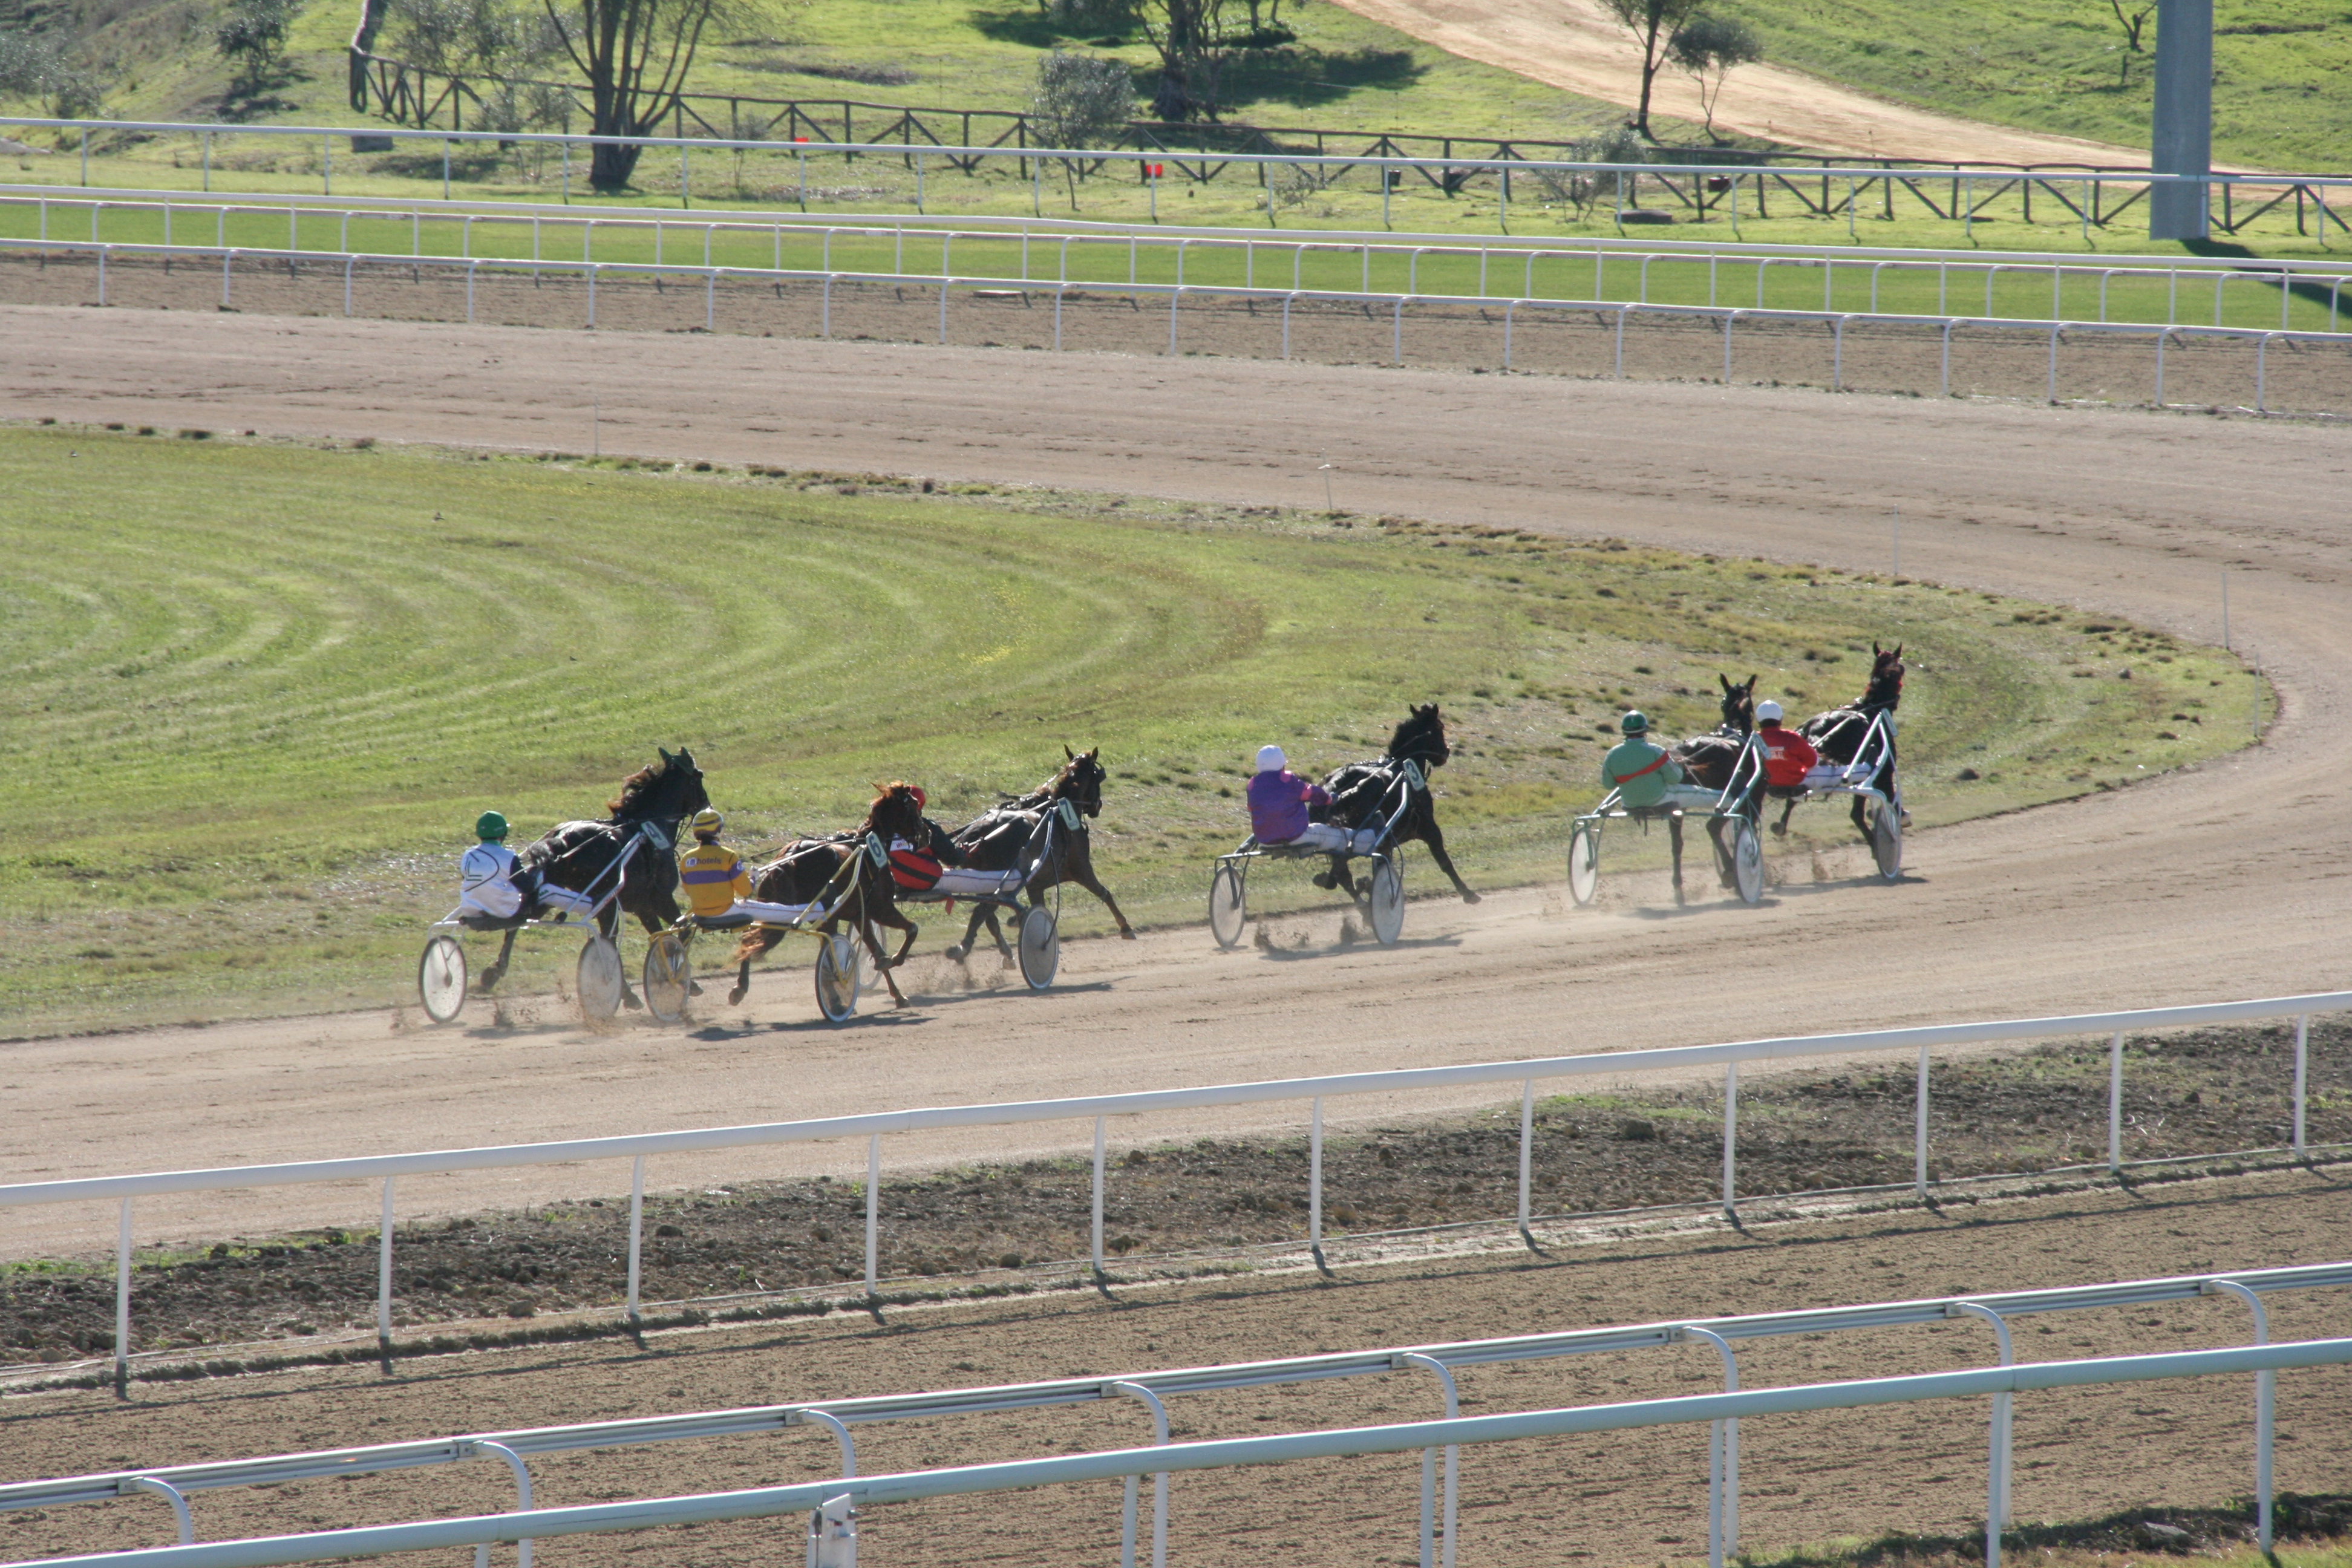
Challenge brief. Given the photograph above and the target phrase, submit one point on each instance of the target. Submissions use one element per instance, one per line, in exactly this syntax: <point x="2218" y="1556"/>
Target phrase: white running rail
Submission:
<point x="125" y="1190"/>
<point x="838" y="1414"/>
<point x="834" y="1501"/>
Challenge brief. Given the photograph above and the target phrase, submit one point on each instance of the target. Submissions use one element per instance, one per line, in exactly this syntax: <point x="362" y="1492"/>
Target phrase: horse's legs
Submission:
<point x="958" y="952"/>
<point x="1722" y="854"/>
<point x="1674" y="834"/>
<point x="1781" y="826"/>
<point x="496" y="972"/>
<point x="608" y="923"/>
<point x="742" y="984"/>
<point x="1434" y="836"/>
<point x="761" y="942"/>
<point x="1084" y="876"/>
<point x="1861" y="822"/>
<point x="1338" y="877"/>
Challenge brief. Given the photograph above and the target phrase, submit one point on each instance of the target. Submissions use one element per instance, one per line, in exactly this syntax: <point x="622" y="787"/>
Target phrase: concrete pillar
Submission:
<point x="2181" y="139"/>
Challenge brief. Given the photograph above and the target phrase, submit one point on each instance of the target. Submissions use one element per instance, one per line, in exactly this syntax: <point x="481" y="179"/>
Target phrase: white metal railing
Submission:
<point x="833" y="1502"/>
<point x="178" y="1481"/>
<point x="1726" y="318"/>
<point x="125" y="1189"/>
<point x="1871" y="261"/>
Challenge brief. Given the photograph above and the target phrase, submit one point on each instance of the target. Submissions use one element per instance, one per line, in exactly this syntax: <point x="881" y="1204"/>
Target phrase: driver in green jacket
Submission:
<point x="1639" y="771"/>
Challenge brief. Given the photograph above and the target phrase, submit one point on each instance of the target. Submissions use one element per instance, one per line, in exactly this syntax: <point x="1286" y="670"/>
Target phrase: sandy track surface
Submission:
<point x="2222" y="882"/>
<point x="1577" y="46"/>
<point x="1629" y="1498"/>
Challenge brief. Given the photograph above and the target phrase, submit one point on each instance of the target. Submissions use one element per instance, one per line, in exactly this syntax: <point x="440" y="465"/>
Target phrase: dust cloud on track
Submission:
<point x="2220" y="882"/>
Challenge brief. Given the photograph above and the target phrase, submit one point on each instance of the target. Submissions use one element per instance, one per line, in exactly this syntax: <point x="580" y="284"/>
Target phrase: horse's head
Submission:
<point x="1080" y="780"/>
<point x="1422" y="737"/>
<point x="664" y="791"/>
<point x="1886" y="678"/>
<point x="1738" y="705"/>
<point x="896" y="813"/>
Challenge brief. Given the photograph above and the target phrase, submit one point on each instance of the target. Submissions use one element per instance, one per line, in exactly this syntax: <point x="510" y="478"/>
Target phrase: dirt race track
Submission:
<point x="2218" y="883"/>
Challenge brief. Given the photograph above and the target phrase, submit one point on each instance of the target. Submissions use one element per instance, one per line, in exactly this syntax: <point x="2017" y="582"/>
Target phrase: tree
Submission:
<point x="637" y="56"/>
<point x="1081" y="100"/>
<point x="38" y="67"/>
<point x="2133" y="20"/>
<point x="1190" y="36"/>
<point x="251" y="35"/>
<point x="1709" y="47"/>
<point x="1652" y="24"/>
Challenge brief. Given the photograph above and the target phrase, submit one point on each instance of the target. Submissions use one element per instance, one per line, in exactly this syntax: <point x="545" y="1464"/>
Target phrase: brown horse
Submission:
<point x="1009" y="835"/>
<point x="837" y="867"/>
<point x="1839" y="733"/>
<point x="1709" y="759"/>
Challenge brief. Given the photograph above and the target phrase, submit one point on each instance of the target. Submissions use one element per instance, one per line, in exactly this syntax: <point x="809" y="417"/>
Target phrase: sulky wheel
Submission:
<point x="668" y="977"/>
<point x="601" y="982"/>
<point x="1227" y="910"/>
<point x="836" y="977"/>
<point x="1041" y="947"/>
<point x="1886" y="837"/>
<point x="441" y="979"/>
<point x="1583" y="863"/>
<point x="1387" y="894"/>
<point x="1747" y="860"/>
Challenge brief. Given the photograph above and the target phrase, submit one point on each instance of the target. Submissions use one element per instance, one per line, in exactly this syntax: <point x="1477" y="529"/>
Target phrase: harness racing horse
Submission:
<point x="1838" y="734"/>
<point x="1707" y="761"/>
<point x="814" y="869"/>
<point x="579" y="856"/>
<point x="1006" y="836"/>
<point x="1360" y="794"/>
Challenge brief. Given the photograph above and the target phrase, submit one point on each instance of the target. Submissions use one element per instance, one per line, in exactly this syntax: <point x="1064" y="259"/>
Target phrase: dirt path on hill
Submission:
<point x="1576" y="46"/>
<point x="2221" y="882"/>
<point x="1629" y="1498"/>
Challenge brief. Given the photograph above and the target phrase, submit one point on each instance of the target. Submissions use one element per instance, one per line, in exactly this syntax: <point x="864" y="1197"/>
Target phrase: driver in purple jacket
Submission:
<point x="1279" y="801"/>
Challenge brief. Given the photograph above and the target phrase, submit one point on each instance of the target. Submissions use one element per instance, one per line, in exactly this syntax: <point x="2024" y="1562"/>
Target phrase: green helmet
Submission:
<point x="490" y="825"/>
<point x="1633" y="723"/>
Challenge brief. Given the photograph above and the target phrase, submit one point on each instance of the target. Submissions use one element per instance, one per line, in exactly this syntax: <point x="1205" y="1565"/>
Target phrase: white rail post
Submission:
<point x="2162" y="333"/>
<point x="227" y="260"/>
<point x="208" y="160"/>
<point x="348" y="261"/>
<point x="1945" y="389"/>
<point x="2265" y="1405"/>
<point x="1314" y="1185"/>
<point x="873" y="1208"/>
<point x="1158" y="1486"/>
<point x="1429" y="1513"/>
<point x="2262" y="353"/>
<point x="2301" y="1074"/>
<point x="101" y="273"/>
<point x="2115" y="1104"/>
<point x="522" y="1499"/>
<point x="470" y="267"/>
<point x="1622" y="310"/>
<point x="1286" y="301"/>
<point x="1509" y="306"/>
<point x="173" y="1494"/>
<point x="943" y="309"/>
<point x="383" y="1282"/>
<point x="591" y="292"/>
<point x="710" y="300"/>
<point x="636" y="1233"/>
<point x="840" y="1431"/>
<point x="1527" y="1156"/>
<point x="1730" y="1138"/>
<point x="1098" y="1142"/>
<point x="1730" y="318"/>
<point x="1396" y="328"/>
<point x="1059" y="290"/>
<point x="2053" y="368"/>
<point x="1919" y="1129"/>
<point x="122" y="1304"/>
<point x="1723" y="1457"/>
<point x="1172" y="300"/>
<point x="1997" y="1510"/>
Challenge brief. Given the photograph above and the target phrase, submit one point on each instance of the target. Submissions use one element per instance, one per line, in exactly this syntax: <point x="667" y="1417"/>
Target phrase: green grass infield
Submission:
<point x="259" y="690"/>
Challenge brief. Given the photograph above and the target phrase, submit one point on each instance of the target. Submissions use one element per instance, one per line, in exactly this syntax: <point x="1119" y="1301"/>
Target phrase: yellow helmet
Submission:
<point x="707" y="823"/>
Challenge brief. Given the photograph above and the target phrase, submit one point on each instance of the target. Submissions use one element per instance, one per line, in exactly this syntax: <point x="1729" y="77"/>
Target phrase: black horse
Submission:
<point x="1838" y="734"/>
<point x="866" y="895"/>
<point x="1709" y="759"/>
<point x="579" y="856"/>
<point x="1360" y="793"/>
<point x="1009" y="835"/>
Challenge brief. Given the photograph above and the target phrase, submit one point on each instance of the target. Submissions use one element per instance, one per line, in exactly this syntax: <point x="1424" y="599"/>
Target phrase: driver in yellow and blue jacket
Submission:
<point x="715" y="877"/>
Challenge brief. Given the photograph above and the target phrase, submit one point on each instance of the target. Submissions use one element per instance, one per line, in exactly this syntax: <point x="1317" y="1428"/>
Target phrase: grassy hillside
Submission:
<point x="262" y="689"/>
<point x="2282" y="81"/>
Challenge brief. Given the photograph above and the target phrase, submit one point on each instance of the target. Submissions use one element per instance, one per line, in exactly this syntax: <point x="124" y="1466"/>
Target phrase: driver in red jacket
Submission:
<point x="1788" y="756"/>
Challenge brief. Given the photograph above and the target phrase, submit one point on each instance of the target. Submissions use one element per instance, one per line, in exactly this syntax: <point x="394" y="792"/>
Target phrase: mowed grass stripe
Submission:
<point x="272" y="688"/>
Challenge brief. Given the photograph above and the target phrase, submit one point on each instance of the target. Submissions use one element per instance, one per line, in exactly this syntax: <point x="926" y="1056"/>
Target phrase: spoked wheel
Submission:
<point x="836" y="977"/>
<point x="441" y="979"/>
<point x="601" y="984"/>
<point x="668" y="977"/>
<point x="1747" y="860"/>
<point x="1886" y="837"/>
<point x="1227" y="910"/>
<point x="1387" y="901"/>
<point x="1041" y="947"/>
<point x="1583" y="863"/>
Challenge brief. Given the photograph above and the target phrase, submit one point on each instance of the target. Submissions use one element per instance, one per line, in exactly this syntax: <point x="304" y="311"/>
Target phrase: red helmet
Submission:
<point x="921" y="800"/>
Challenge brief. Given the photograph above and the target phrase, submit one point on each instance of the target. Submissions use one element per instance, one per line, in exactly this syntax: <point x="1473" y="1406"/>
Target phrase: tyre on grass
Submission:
<point x="441" y="979"/>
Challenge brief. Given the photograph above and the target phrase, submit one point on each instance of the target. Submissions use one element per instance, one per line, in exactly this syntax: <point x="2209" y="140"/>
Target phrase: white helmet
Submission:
<point x="1270" y="760"/>
<point x="1767" y="710"/>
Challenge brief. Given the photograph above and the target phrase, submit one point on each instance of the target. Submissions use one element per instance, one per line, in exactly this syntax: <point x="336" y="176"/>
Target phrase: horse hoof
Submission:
<point x="1468" y="897"/>
<point x="1323" y="879"/>
<point x="1126" y="933"/>
<point x="629" y="1000"/>
<point x="737" y="995"/>
<point x="954" y="954"/>
<point x="1779" y="830"/>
